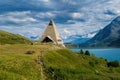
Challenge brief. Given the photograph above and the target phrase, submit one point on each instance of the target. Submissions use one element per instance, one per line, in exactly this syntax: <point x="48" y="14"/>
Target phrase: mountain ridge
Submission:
<point x="77" y="39"/>
<point x="109" y="36"/>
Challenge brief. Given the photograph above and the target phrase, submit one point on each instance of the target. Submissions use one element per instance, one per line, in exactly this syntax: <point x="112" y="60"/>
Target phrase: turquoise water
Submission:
<point x="110" y="54"/>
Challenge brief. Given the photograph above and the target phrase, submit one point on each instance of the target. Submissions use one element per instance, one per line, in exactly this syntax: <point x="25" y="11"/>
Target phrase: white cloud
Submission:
<point x="66" y="31"/>
<point x="16" y="13"/>
<point x="17" y="17"/>
<point x="46" y="0"/>
<point x="76" y="15"/>
<point x="46" y="15"/>
<point x="39" y="3"/>
<point x="71" y="2"/>
<point x="17" y="20"/>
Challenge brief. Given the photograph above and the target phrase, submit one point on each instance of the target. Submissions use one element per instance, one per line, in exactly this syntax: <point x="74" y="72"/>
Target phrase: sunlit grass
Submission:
<point x="16" y="65"/>
<point x="9" y="38"/>
<point x="59" y="64"/>
<point x="64" y="64"/>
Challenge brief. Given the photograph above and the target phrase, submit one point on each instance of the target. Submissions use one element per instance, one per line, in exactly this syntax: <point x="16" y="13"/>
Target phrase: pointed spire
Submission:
<point x="51" y="34"/>
<point x="51" y="22"/>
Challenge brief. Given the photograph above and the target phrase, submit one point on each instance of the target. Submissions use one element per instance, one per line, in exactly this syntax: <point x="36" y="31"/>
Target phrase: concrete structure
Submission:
<point x="51" y="35"/>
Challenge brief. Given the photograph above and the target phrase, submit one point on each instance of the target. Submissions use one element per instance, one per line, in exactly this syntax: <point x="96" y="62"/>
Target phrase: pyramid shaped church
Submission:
<point x="51" y="35"/>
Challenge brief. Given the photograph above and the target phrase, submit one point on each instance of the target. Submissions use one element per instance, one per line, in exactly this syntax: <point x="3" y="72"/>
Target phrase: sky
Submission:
<point x="72" y="17"/>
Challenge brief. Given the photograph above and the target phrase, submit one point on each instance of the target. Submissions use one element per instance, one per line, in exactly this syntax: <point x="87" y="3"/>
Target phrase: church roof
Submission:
<point x="53" y="33"/>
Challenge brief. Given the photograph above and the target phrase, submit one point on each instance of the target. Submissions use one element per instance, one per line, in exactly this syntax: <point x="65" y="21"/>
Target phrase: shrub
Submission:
<point x="106" y="60"/>
<point x="113" y="64"/>
<point x="81" y="51"/>
<point x="87" y="52"/>
<point x="92" y="63"/>
<point x="30" y="52"/>
<point x="31" y="43"/>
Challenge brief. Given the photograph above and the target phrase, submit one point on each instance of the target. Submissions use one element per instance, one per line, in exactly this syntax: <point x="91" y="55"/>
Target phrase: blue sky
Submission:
<point x="72" y="17"/>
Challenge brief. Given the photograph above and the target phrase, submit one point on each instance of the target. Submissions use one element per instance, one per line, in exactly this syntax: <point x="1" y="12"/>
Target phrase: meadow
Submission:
<point x="64" y="64"/>
<point x="16" y="64"/>
<point x="49" y="62"/>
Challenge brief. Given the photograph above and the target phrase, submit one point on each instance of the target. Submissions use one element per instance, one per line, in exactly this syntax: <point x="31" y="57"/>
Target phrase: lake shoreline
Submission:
<point x="97" y="48"/>
<point x="110" y="54"/>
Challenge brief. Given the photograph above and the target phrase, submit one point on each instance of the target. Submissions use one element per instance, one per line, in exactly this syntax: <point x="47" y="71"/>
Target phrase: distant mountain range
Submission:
<point x="77" y="39"/>
<point x="10" y="38"/>
<point x="34" y="37"/>
<point x="107" y="37"/>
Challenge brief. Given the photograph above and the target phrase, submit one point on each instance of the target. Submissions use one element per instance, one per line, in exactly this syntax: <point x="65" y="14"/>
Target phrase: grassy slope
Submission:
<point x="9" y="38"/>
<point x="66" y="65"/>
<point x="16" y="65"/>
<point x="59" y="64"/>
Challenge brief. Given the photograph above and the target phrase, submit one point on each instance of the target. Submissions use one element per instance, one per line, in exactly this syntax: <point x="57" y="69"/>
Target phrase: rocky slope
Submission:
<point x="107" y="37"/>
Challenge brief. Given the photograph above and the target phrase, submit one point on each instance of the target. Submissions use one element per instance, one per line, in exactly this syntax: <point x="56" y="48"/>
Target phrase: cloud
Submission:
<point x="46" y="15"/>
<point x="22" y="23"/>
<point x="76" y="15"/>
<point x="71" y="16"/>
<point x="17" y="18"/>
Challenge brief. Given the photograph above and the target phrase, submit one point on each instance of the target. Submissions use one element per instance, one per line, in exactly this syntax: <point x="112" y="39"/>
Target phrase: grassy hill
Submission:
<point x="66" y="65"/>
<point x="16" y="64"/>
<point x="49" y="62"/>
<point x="9" y="38"/>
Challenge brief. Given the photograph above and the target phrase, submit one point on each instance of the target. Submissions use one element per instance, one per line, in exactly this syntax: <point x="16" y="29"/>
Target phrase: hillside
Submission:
<point x="64" y="64"/>
<point x="16" y="63"/>
<point x="49" y="62"/>
<point x="9" y="38"/>
<point x="107" y="37"/>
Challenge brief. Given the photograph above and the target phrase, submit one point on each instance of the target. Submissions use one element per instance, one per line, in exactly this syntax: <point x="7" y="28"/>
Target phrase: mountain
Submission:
<point x="36" y="37"/>
<point x="75" y="39"/>
<point x="9" y="38"/>
<point x="107" y="37"/>
<point x="78" y="39"/>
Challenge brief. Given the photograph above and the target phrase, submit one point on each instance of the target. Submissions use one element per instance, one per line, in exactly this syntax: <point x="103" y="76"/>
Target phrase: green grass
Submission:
<point x="16" y="65"/>
<point x="9" y="38"/>
<point x="19" y="68"/>
<point x="67" y="65"/>
<point x="59" y="64"/>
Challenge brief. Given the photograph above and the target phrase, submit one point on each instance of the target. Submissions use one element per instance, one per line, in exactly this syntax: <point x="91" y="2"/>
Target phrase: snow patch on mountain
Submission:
<point x="77" y="39"/>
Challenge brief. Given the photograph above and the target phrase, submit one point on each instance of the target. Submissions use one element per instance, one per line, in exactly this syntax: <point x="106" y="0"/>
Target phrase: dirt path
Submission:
<point x="40" y="60"/>
<point x="42" y="73"/>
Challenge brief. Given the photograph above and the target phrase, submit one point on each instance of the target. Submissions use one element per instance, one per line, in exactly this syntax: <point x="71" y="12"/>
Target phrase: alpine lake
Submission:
<point x="110" y="54"/>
